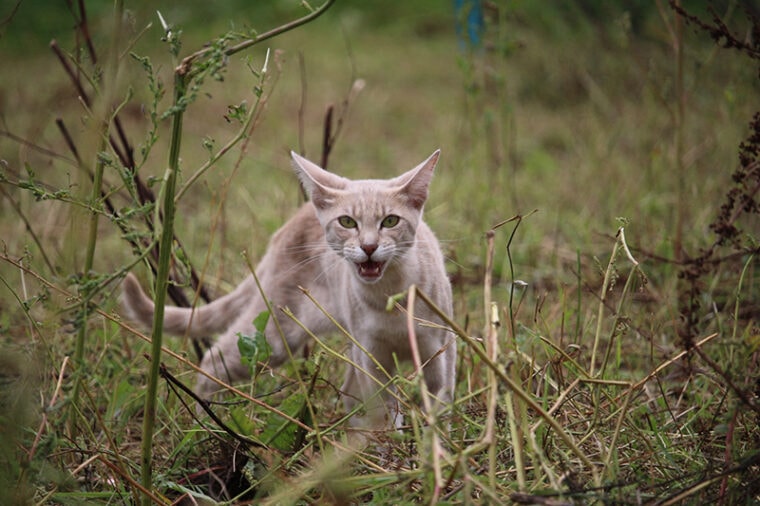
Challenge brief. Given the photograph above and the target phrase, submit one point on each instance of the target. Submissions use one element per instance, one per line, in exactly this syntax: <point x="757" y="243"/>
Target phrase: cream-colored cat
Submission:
<point x="352" y="245"/>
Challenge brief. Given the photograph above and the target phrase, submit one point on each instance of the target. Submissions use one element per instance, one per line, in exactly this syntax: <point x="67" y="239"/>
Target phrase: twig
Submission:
<point x="602" y="301"/>
<point x="729" y="381"/>
<point x="664" y="365"/>
<point x="164" y="350"/>
<point x="84" y="27"/>
<point x="11" y="15"/>
<point x="29" y="229"/>
<point x="36" y="147"/>
<point x="69" y="141"/>
<point x="435" y="443"/>
<point x="621" y="233"/>
<point x="186" y="65"/>
<point x="242" y="133"/>
<point x="108" y="435"/>
<point x="146" y="491"/>
<point x="327" y="136"/>
<point x="516" y="389"/>
<point x="488" y="438"/>
<point x="51" y="404"/>
<point x="302" y="105"/>
<point x="204" y="404"/>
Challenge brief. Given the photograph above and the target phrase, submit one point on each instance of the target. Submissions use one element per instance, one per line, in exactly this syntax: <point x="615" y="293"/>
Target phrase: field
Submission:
<point x="596" y="200"/>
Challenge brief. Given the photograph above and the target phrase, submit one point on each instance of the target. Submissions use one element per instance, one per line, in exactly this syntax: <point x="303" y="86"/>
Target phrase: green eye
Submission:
<point x="390" y="221"/>
<point x="347" y="222"/>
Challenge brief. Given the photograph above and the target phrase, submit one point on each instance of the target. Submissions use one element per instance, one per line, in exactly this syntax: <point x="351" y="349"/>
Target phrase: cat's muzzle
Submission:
<point x="370" y="271"/>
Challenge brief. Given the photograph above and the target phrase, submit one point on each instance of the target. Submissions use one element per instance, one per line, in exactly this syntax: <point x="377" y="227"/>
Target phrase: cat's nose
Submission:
<point x="369" y="249"/>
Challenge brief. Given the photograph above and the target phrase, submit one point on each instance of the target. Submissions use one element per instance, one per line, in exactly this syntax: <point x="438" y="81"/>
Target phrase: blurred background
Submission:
<point x="570" y="108"/>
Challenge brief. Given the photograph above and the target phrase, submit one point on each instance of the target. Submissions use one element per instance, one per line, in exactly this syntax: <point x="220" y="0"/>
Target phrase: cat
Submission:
<point x="353" y="244"/>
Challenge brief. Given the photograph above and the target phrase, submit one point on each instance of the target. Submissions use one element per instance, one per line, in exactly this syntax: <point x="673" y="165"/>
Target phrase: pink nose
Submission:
<point x="369" y="249"/>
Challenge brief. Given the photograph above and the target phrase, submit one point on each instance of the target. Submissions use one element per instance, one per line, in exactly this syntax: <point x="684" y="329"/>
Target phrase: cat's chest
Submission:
<point x="373" y="326"/>
<point x="366" y="310"/>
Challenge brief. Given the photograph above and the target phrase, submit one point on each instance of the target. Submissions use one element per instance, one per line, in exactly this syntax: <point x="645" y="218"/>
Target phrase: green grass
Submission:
<point x="570" y="111"/>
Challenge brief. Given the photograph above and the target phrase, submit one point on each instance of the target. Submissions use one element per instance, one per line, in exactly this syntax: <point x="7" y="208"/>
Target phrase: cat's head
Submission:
<point x="372" y="222"/>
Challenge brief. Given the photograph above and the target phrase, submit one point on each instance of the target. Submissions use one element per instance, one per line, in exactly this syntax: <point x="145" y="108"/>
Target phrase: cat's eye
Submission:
<point x="390" y="221"/>
<point x="347" y="222"/>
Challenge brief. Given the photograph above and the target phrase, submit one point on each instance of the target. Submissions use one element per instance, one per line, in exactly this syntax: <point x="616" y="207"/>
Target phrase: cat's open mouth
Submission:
<point x="370" y="270"/>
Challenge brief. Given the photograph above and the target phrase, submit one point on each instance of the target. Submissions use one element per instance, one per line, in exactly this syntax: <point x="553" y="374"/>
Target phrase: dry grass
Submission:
<point x="595" y="366"/>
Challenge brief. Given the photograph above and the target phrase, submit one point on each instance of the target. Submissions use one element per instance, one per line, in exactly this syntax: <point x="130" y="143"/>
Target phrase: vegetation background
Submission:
<point x="567" y="120"/>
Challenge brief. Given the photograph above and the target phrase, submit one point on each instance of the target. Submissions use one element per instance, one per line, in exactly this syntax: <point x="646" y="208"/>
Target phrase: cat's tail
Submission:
<point x="194" y="322"/>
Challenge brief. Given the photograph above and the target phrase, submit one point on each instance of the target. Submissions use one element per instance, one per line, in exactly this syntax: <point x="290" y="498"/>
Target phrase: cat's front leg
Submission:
<point x="222" y="361"/>
<point x="366" y="383"/>
<point x="440" y="353"/>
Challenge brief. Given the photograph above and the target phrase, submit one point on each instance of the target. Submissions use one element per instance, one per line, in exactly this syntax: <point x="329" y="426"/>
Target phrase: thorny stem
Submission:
<point x="162" y="277"/>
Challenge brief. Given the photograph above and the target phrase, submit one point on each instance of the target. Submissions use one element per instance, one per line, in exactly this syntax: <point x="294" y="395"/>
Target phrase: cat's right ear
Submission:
<point x="321" y="186"/>
<point x="414" y="184"/>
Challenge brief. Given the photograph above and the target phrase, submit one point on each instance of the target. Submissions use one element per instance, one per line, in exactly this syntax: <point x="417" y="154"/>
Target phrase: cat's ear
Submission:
<point x="321" y="186"/>
<point x="414" y="184"/>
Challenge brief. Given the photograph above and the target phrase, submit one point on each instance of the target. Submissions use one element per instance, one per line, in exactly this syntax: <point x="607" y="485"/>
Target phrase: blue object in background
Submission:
<point x="469" y="22"/>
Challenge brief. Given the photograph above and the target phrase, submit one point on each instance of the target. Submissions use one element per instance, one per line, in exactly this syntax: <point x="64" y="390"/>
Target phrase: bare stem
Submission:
<point x="602" y="300"/>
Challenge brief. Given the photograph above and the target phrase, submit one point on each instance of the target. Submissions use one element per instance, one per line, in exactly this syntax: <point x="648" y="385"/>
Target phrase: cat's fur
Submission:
<point x="351" y="246"/>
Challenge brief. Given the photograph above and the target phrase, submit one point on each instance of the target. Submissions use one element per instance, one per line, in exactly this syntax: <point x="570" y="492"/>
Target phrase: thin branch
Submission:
<point x="186" y="64"/>
<point x="36" y="147"/>
<point x="12" y="15"/>
<point x="327" y="136"/>
<point x="69" y="141"/>
<point x="29" y="229"/>
<point x="302" y="105"/>
<point x="204" y="404"/>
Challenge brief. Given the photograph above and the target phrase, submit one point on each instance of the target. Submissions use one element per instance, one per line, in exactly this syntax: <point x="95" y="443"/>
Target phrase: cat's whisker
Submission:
<point x="326" y="270"/>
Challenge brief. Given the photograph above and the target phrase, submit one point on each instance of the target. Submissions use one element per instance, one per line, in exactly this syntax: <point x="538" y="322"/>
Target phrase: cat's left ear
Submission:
<point x="414" y="184"/>
<point x="321" y="186"/>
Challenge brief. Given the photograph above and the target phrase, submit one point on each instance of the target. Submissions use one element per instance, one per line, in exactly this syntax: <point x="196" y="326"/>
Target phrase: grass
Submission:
<point x="599" y="361"/>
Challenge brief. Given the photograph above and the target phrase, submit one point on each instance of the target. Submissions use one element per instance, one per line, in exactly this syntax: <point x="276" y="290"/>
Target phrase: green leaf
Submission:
<point x="241" y="422"/>
<point x="254" y="349"/>
<point x="260" y="322"/>
<point x="283" y="434"/>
